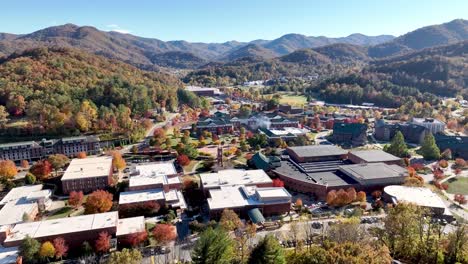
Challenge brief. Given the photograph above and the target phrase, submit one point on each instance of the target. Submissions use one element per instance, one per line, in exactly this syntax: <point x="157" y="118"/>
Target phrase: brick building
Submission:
<point x="353" y="134"/>
<point x="87" y="174"/>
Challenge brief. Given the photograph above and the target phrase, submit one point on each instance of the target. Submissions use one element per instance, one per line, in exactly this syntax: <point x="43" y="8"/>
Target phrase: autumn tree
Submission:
<point x="16" y="105"/>
<point x="460" y="199"/>
<point x="102" y="244"/>
<point x="61" y="247"/>
<point x="47" y="250"/>
<point x="24" y="164"/>
<point x="99" y="201"/>
<point x="361" y="196"/>
<point x="443" y="163"/>
<point x="164" y="233"/>
<point x="147" y="208"/>
<point x="376" y="194"/>
<point x="118" y="162"/>
<point x="230" y="221"/>
<point x="183" y="160"/>
<point x="81" y="155"/>
<point x="126" y="256"/>
<point x="8" y="169"/>
<point x="58" y="161"/>
<point x="41" y="169"/>
<point x="134" y="239"/>
<point x="331" y="196"/>
<point x="3" y="116"/>
<point x="298" y="203"/>
<point x="75" y="199"/>
<point x="278" y="183"/>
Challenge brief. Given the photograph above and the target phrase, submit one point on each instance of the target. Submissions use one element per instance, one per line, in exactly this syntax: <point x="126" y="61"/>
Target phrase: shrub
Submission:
<point x="30" y="178"/>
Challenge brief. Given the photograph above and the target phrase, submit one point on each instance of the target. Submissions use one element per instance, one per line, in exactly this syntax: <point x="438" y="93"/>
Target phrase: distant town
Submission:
<point x="285" y="166"/>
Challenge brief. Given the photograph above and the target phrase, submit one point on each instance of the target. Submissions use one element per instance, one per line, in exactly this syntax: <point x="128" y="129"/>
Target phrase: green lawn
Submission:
<point x="295" y="100"/>
<point x="458" y="185"/>
<point x="61" y="213"/>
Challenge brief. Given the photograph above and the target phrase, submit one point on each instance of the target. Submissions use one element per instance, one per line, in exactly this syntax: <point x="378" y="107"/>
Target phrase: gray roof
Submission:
<point x="373" y="171"/>
<point x="16" y="144"/>
<point x="374" y="155"/>
<point x="318" y="151"/>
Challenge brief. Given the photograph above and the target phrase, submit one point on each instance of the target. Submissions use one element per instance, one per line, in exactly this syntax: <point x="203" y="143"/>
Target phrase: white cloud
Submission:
<point x="117" y="28"/>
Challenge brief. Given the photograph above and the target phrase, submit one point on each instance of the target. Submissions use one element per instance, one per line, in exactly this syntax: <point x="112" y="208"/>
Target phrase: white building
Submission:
<point x="154" y="176"/>
<point x="235" y="177"/>
<point x="435" y="126"/>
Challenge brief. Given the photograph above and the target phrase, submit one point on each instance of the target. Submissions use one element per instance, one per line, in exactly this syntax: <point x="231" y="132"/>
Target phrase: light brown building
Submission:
<point x="87" y="175"/>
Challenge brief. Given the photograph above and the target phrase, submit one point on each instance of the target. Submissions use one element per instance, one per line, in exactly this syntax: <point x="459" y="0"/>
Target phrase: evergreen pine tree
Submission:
<point x="213" y="247"/>
<point x="397" y="146"/>
<point x="429" y="149"/>
<point x="267" y="251"/>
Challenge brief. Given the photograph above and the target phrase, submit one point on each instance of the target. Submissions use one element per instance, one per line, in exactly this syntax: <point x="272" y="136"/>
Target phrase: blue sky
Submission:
<point x="224" y="20"/>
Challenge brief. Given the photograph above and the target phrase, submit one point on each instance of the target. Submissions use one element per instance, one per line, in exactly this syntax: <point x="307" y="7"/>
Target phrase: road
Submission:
<point x="320" y="137"/>
<point x="150" y="132"/>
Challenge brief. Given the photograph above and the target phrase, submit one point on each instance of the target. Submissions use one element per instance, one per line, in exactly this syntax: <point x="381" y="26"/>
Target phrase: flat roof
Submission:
<point x="234" y="177"/>
<point x="141" y="196"/>
<point x="374" y="155"/>
<point x="12" y="212"/>
<point x="20" y="192"/>
<point x="240" y="196"/>
<point x="154" y="173"/>
<point x="370" y="171"/>
<point x="16" y="144"/>
<point x="130" y="225"/>
<point x="317" y="151"/>
<point x="88" y="168"/>
<point x="330" y="177"/>
<point x="63" y="226"/>
<point x="417" y="195"/>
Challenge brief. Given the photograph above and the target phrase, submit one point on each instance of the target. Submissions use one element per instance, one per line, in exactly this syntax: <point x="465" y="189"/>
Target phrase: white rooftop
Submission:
<point x="240" y="196"/>
<point x="63" y="226"/>
<point x="234" y="177"/>
<point x="130" y="225"/>
<point x="289" y="130"/>
<point x="155" y="173"/>
<point x="141" y="196"/>
<point x="20" y="192"/>
<point x="172" y="197"/>
<point x="12" y="212"/>
<point x="88" y="168"/>
<point x="417" y="195"/>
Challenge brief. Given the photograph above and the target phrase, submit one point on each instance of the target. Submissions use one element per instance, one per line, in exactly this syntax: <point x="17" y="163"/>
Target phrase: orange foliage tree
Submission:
<point x="81" y="155"/>
<point x="24" y="164"/>
<point x="8" y="169"/>
<point x="118" y="162"/>
<point x="164" y="233"/>
<point x="183" y="160"/>
<point x="99" y="201"/>
<point x="361" y="196"/>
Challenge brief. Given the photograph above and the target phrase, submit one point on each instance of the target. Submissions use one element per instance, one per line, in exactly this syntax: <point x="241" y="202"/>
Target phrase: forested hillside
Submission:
<point x="59" y="89"/>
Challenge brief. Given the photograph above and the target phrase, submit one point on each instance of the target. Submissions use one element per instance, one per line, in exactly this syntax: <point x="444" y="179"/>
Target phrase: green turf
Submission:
<point x="458" y="185"/>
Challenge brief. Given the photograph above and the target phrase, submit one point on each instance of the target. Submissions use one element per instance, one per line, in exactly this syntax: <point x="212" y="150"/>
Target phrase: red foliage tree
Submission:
<point x="183" y="160"/>
<point x="159" y="133"/>
<point x="61" y="247"/>
<point x="134" y="239"/>
<point x="102" y="244"/>
<point x="460" y="163"/>
<point x="164" y="233"/>
<point x="278" y="183"/>
<point x="41" y="169"/>
<point x="99" y="201"/>
<point x="460" y="198"/>
<point x="75" y="199"/>
<point x="146" y="208"/>
<point x="438" y="174"/>
<point x="418" y="166"/>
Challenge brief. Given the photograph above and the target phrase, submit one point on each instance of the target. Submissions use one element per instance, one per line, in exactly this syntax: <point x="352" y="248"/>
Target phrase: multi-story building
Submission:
<point x="32" y="150"/>
<point x="412" y="133"/>
<point x="433" y="125"/>
<point x="354" y="134"/>
<point x="247" y="200"/>
<point x="28" y="150"/>
<point x="215" y="125"/>
<point x="75" y="230"/>
<point x="457" y="144"/>
<point x="71" y="146"/>
<point x="203" y="91"/>
<point x="87" y="174"/>
<point x="234" y="177"/>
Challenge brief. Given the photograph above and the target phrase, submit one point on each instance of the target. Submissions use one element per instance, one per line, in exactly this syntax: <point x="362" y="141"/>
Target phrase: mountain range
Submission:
<point x="151" y="54"/>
